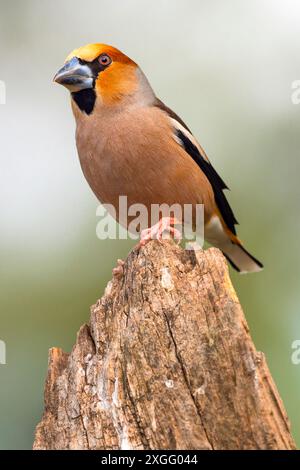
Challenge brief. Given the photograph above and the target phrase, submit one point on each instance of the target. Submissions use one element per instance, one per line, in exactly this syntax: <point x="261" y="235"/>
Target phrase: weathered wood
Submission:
<point x="166" y="362"/>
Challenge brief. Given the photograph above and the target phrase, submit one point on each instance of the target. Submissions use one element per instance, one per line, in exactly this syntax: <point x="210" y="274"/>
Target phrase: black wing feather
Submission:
<point x="215" y="180"/>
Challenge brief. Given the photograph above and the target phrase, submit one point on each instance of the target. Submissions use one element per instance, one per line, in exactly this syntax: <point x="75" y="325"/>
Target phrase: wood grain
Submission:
<point x="166" y="362"/>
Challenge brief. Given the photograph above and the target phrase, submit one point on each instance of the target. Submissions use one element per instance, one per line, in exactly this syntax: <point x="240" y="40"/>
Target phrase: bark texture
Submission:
<point x="166" y="362"/>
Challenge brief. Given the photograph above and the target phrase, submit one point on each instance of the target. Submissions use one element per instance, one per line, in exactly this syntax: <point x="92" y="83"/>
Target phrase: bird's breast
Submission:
<point x="133" y="154"/>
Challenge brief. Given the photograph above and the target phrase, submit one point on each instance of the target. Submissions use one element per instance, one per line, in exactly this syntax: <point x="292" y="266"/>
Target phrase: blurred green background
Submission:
<point x="227" y="69"/>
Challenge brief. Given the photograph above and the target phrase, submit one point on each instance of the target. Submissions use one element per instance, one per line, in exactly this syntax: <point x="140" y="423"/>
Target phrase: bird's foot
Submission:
<point x="118" y="271"/>
<point x="157" y="231"/>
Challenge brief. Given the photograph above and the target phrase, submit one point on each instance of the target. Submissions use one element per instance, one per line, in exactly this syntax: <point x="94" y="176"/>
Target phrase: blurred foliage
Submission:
<point x="227" y="69"/>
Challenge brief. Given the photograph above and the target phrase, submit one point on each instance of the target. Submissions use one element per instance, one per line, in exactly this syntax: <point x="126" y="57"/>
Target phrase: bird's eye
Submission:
<point x="104" y="59"/>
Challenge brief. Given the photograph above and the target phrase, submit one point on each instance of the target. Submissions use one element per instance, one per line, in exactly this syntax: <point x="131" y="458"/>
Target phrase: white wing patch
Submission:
<point x="190" y="136"/>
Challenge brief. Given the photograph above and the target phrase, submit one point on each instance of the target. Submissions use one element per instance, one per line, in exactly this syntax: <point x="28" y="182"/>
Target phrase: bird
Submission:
<point x="130" y="143"/>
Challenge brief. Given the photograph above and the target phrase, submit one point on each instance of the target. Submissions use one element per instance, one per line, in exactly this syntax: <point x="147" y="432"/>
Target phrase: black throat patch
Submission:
<point x="85" y="99"/>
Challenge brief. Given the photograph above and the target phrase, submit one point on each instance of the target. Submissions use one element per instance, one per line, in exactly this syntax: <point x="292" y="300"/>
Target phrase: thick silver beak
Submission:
<point x="74" y="76"/>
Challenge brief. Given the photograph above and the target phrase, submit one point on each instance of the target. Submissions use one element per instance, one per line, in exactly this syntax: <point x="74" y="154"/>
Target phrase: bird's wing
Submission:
<point x="185" y="138"/>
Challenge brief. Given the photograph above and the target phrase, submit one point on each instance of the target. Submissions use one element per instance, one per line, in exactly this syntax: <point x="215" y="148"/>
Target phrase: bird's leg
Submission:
<point x="156" y="232"/>
<point x="118" y="271"/>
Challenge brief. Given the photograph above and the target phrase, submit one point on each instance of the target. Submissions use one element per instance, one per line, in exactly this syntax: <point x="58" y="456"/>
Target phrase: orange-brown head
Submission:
<point x="98" y="71"/>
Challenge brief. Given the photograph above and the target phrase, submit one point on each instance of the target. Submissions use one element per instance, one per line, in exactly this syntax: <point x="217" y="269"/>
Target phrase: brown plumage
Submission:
<point x="129" y="143"/>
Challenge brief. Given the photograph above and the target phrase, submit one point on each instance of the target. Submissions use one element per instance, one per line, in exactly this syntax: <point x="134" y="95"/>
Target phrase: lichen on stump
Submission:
<point x="166" y="362"/>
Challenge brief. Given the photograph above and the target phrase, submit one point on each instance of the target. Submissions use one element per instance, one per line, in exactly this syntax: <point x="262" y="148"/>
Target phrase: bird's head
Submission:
<point x="98" y="72"/>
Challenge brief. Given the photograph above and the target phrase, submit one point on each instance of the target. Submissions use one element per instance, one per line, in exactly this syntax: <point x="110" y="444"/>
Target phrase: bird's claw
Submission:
<point x="118" y="271"/>
<point x="156" y="232"/>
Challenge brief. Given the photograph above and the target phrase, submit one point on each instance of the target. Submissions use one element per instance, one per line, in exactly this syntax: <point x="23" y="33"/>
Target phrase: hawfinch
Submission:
<point x="130" y="143"/>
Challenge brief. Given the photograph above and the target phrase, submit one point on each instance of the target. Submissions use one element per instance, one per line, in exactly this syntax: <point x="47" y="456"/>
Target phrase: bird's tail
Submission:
<point x="217" y="234"/>
<point x="240" y="259"/>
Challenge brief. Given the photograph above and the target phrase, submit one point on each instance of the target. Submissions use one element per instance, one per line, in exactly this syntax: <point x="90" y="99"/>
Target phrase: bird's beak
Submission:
<point x="75" y="76"/>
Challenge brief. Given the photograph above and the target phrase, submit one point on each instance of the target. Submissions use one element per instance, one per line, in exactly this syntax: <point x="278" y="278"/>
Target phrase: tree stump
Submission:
<point x="166" y="362"/>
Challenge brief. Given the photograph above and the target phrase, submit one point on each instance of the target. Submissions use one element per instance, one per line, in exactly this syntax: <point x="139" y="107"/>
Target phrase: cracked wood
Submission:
<point x="166" y="362"/>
